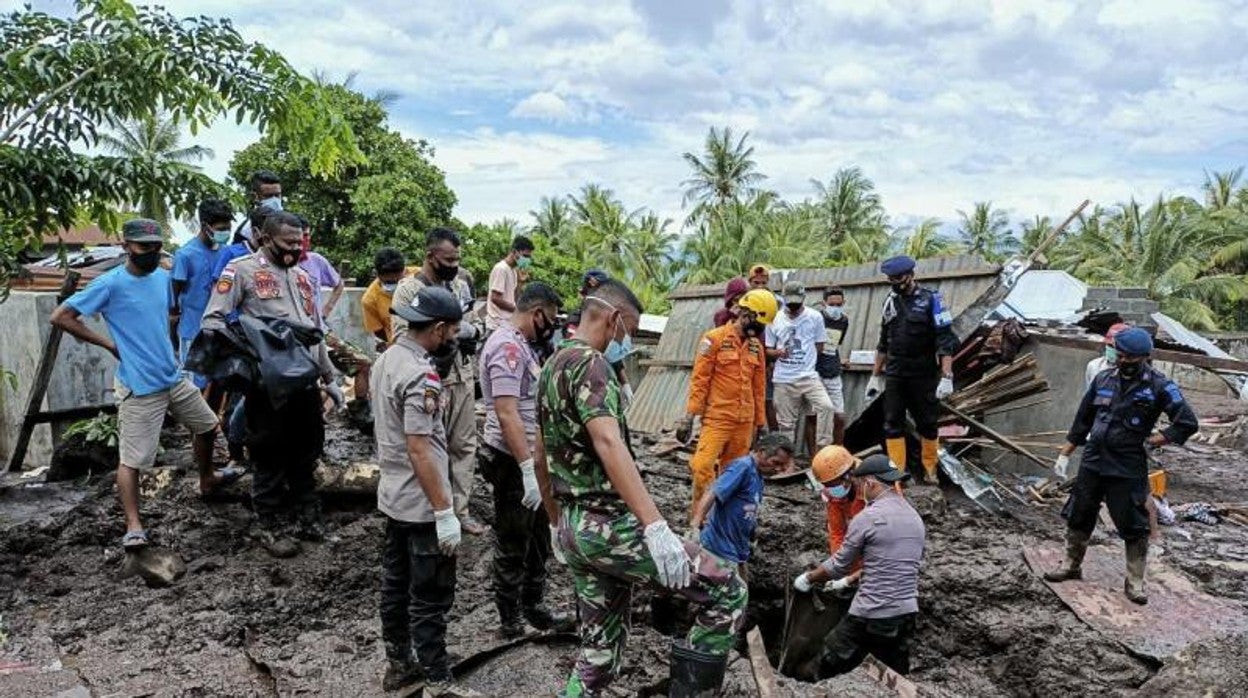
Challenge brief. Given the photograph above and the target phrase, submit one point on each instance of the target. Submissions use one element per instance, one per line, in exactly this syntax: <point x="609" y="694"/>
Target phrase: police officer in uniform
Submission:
<point x="1114" y="425"/>
<point x="284" y="442"/>
<point x="913" y="362"/>
<point x="441" y="268"/>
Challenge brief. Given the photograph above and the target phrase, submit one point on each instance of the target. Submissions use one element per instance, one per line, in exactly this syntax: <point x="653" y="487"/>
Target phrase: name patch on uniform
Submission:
<point x="266" y="285"/>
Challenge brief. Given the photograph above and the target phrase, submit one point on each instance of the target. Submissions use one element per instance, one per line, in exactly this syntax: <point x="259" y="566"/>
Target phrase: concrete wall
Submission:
<point x="83" y="375"/>
<point x="1131" y="303"/>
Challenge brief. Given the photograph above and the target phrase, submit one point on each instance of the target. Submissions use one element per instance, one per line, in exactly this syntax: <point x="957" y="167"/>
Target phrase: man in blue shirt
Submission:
<point x="247" y="241"/>
<point x="728" y="512"/>
<point x="193" y="265"/>
<point x="135" y="300"/>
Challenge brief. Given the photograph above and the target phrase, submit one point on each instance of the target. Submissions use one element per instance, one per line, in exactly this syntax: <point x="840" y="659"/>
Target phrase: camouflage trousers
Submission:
<point x="606" y="552"/>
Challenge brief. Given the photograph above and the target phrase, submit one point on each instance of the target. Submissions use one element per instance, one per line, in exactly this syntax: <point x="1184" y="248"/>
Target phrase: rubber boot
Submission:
<point x="896" y="448"/>
<point x="509" y="624"/>
<point x="930" y="448"/>
<point x="545" y="620"/>
<point x="401" y="673"/>
<point x="1137" y="561"/>
<point x="1076" y="547"/>
<point x="695" y="673"/>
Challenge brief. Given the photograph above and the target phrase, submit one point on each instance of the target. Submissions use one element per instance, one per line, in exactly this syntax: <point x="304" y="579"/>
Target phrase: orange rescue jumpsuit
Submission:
<point x="727" y="389"/>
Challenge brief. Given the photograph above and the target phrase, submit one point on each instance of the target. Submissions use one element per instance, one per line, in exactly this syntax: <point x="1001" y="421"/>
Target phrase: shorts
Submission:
<point x="345" y="356"/>
<point x="835" y="393"/>
<point x="139" y="419"/>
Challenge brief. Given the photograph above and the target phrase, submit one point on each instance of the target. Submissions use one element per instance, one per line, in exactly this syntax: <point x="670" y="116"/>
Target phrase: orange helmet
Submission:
<point x="832" y="462"/>
<point x="763" y="303"/>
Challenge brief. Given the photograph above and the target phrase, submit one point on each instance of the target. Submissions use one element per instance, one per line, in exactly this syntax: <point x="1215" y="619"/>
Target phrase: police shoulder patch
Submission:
<point x="225" y="284"/>
<point x="704" y="346"/>
<point x="1175" y="395"/>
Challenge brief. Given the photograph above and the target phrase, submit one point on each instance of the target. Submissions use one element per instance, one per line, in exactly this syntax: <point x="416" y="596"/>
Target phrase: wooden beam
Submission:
<point x="996" y="436"/>
<point x="38" y="388"/>
<point x="1212" y="363"/>
<point x="889" y="678"/>
<point x="764" y="676"/>
<point x="73" y="414"/>
<point x="717" y="290"/>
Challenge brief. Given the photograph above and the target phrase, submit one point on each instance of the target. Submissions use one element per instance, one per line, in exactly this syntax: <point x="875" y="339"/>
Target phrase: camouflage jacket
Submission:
<point x="576" y="385"/>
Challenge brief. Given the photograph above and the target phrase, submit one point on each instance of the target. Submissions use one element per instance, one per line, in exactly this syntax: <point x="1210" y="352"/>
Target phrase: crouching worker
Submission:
<point x="1114" y="425"/>
<point x="831" y="468"/>
<point x="135" y="300"/>
<point x="414" y="494"/>
<point x="727" y="514"/>
<point x="610" y="533"/>
<point x="888" y="537"/>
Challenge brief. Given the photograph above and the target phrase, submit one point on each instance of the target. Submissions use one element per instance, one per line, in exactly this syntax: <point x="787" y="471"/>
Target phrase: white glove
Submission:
<point x="532" y="493"/>
<point x="802" y="583"/>
<point x="840" y="584"/>
<point x="555" y="547"/>
<point x="627" y="392"/>
<point x="1062" y="466"/>
<point x="945" y="389"/>
<point x="669" y="555"/>
<point x="875" y="386"/>
<point x="448" y="531"/>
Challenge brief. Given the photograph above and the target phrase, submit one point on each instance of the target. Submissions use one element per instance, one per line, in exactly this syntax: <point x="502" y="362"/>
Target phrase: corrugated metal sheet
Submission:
<point x="1177" y="332"/>
<point x="660" y="399"/>
<point x="1044" y="294"/>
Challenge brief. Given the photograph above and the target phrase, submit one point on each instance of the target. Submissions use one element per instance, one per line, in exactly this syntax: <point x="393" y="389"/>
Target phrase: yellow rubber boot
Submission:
<point x="930" y="446"/>
<point x="896" y="451"/>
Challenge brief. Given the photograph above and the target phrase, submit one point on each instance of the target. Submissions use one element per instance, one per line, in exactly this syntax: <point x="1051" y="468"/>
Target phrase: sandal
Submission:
<point x="134" y="540"/>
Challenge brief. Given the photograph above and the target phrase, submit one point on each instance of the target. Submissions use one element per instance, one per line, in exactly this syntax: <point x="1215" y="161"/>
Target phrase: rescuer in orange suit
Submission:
<point x="830" y="469"/>
<point x="727" y="389"/>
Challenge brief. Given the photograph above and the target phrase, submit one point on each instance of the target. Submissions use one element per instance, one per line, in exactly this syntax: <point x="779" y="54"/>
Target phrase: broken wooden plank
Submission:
<point x="764" y="676"/>
<point x="878" y="671"/>
<point x="997" y="436"/>
<point x="1213" y="363"/>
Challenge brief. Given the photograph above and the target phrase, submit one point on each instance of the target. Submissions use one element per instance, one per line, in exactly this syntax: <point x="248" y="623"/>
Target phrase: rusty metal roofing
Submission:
<point x="660" y="399"/>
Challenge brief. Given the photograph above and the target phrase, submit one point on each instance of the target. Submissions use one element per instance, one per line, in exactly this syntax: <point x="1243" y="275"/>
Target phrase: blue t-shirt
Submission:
<point x="193" y="264"/>
<point x="227" y="255"/>
<point x="734" y="516"/>
<point x="136" y="309"/>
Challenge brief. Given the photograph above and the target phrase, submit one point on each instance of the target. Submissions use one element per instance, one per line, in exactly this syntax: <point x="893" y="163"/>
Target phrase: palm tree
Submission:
<point x="724" y="172"/>
<point x="552" y="219"/>
<point x="1035" y="232"/>
<point x="603" y="228"/>
<point x="156" y="141"/>
<point x="1220" y="188"/>
<point x="925" y="240"/>
<point x="986" y="231"/>
<point x="852" y="216"/>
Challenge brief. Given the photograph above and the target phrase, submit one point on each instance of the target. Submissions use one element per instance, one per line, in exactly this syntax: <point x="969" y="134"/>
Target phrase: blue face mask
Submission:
<point x="1111" y="355"/>
<point x="222" y="237"/>
<point x="616" y="351"/>
<point x="273" y="202"/>
<point x="837" y="492"/>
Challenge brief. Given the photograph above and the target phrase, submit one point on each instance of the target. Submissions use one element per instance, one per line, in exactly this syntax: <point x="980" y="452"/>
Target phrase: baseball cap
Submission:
<point x="794" y="292"/>
<point x="760" y="270"/>
<point x="879" y="467"/>
<point x="141" y="230"/>
<point x="431" y="304"/>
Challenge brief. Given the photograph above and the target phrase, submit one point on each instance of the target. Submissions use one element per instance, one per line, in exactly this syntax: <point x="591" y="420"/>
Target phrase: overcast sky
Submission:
<point x="1033" y="105"/>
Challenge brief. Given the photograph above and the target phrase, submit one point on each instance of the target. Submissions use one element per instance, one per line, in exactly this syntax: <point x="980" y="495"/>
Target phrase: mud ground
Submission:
<point x="240" y="623"/>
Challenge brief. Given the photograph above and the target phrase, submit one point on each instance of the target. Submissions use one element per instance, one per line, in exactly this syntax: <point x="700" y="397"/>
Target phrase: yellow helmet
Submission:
<point x="763" y="303"/>
<point x="831" y="462"/>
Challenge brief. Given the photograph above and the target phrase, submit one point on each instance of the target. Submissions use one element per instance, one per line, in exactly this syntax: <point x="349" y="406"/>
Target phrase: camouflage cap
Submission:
<point x="141" y="230"/>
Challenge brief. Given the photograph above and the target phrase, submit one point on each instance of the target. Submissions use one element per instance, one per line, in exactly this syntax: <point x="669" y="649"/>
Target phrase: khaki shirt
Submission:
<point x="408" y="398"/>
<point x="461" y="287"/>
<point x="255" y="286"/>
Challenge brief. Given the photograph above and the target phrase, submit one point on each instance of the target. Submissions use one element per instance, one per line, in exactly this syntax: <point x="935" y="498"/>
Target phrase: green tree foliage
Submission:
<point x="985" y="231"/>
<point x="156" y="140"/>
<point x="851" y="215"/>
<point x="64" y="81"/>
<point x="725" y="172"/>
<point x="392" y="197"/>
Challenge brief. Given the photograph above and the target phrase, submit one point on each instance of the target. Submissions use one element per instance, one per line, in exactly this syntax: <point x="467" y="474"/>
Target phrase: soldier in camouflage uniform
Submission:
<point x="442" y="268"/>
<point x="609" y="532"/>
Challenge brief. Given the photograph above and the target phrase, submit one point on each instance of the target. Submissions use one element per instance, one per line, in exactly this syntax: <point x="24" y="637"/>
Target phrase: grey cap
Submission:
<point x="794" y="292"/>
<point x="431" y="304"/>
<point x="141" y="230"/>
<point x="879" y="466"/>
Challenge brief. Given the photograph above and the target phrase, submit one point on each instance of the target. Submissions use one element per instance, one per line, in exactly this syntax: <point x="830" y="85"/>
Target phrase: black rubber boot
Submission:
<point x="1076" y="548"/>
<point x="695" y="673"/>
<point x="274" y="538"/>
<point x="1137" y="562"/>
<point x="401" y="673"/>
<point x="546" y="620"/>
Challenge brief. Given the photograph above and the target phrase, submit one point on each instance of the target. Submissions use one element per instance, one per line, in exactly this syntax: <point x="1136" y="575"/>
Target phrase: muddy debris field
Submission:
<point x="239" y="623"/>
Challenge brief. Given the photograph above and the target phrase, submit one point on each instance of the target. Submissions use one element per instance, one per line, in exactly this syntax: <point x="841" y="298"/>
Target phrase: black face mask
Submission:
<point x="146" y="262"/>
<point x="901" y="288"/>
<point x="794" y="309"/>
<point x="543" y="335"/>
<point x="284" y="258"/>
<point x="754" y="328"/>
<point x="445" y="273"/>
<point x="1130" y="371"/>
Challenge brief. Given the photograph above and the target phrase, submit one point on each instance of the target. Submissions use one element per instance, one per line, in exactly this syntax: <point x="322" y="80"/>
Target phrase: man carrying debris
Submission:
<point x="441" y="268"/>
<point x="794" y="346"/>
<point x="727" y="515"/>
<point x="414" y="493"/>
<point x="888" y="536"/>
<point x="609" y="533"/>
<point x="510" y="368"/>
<point x="1114" y="424"/>
<point x="285" y="436"/>
<point x="135" y="299"/>
<point x="913" y="363"/>
<point x="728" y="382"/>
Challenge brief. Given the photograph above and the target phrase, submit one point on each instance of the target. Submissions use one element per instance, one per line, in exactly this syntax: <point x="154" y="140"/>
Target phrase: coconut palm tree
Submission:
<point x="1035" y="231"/>
<point x="553" y="219"/>
<point x="156" y="140"/>
<point x="925" y="240"/>
<point x="1220" y="188"/>
<point x="852" y="216"/>
<point x="985" y="231"/>
<point x="724" y="172"/>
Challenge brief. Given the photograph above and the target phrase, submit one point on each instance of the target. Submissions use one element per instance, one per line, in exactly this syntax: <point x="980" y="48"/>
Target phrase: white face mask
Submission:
<point x="389" y="288"/>
<point x="834" y="312"/>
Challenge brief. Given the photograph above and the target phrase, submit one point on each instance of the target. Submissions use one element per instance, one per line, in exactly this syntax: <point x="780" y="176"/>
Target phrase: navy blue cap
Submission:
<point x="594" y="278"/>
<point x="897" y="266"/>
<point x="1135" y="341"/>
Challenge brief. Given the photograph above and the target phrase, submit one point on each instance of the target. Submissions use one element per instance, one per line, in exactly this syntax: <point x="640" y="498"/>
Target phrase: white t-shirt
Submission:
<point x="504" y="279"/>
<point x="799" y="336"/>
<point x="1095" y="366"/>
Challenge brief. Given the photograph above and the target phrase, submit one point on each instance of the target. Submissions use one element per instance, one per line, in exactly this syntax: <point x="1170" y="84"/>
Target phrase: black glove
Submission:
<point x="684" y="430"/>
